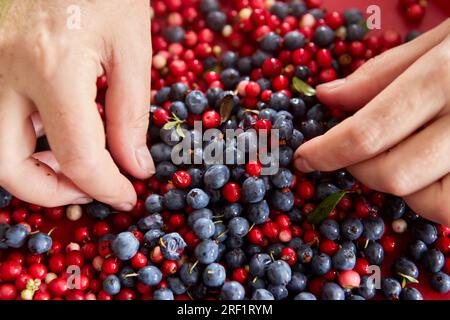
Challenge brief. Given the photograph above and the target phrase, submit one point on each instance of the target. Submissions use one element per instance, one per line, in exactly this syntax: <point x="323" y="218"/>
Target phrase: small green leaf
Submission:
<point x="324" y="209"/>
<point x="226" y="108"/>
<point x="409" y="278"/>
<point x="302" y="87"/>
<point x="169" y="125"/>
<point x="180" y="131"/>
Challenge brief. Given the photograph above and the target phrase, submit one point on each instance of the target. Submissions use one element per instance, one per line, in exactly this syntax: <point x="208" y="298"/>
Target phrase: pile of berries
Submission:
<point x="214" y="228"/>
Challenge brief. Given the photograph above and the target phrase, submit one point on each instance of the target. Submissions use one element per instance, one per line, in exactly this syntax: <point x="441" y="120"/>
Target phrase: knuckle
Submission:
<point x="397" y="182"/>
<point x="364" y="140"/>
<point x="79" y="166"/>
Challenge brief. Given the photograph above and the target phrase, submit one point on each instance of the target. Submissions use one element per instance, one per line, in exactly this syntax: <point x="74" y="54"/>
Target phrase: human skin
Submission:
<point x="48" y="72"/>
<point x="398" y="141"/>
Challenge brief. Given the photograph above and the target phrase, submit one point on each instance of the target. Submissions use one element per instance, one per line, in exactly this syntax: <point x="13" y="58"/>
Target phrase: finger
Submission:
<point x="24" y="176"/>
<point x="49" y="159"/>
<point x="76" y="136"/>
<point x="37" y="124"/>
<point x="433" y="202"/>
<point x="128" y="100"/>
<point x="376" y="74"/>
<point x="412" y="100"/>
<point x="412" y="165"/>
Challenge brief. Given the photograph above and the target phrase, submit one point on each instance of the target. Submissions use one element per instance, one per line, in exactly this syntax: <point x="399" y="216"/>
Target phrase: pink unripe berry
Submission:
<point x="349" y="279"/>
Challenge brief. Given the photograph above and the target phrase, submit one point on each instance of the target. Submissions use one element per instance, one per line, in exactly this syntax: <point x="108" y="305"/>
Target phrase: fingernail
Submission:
<point x="303" y="165"/>
<point x="145" y="160"/>
<point x="83" y="201"/>
<point x="125" y="207"/>
<point x="333" y="84"/>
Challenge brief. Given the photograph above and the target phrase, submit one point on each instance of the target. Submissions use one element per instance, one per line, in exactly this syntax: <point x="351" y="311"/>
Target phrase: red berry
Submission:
<point x="169" y="267"/>
<point x="10" y="270"/>
<point x="81" y="234"/>
<point x="362" y="266"/>
<point x="389" y="244"/>
<point x="283" y="221"/>
<point x="240" y="275"/>
<point x="253" y="168"/>
<point x="110" y="266"/>
<point x="139" y="260"/>
<point x="42" y="296"/>
<point x="324" y="58"/>
<point x="263" y="124"/>
<point x="334" y="19"/>
<point x="55" y="213"/>
<point x="289" y="255"/>
<point x="328" y="247"/>
<point x="285" y="235"/>
<point x="443" y="244"/>
<point x="22" y="281"/>
<point x="181" y="179"/>
<point x="272" y="67"/>
<point x="37" y="271"/>
<point x="20" y="215"/>
<point x="7" y="291"/>
<point x="305" y="189"/>
<point x="252" y="89"/>
<point x="415" y="12"/>
<point x="74" y="258"/>
<point x="211" y="119"/>
<point x="56" y="263"/>
<point x="58" y="287"/>
<point x="255" y="235"/>
<point x="231" y="192"/>
<point x="101" y="228"/>
<point x="160" y="117"/>
<point x="349" y="279"/>
<point x="270" y="229"/>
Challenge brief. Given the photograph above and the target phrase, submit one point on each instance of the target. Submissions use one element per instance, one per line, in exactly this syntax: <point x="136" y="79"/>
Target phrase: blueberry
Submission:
<point x="111" y="285"/>
<point x="324" y="189"/>
<point x="394" y="207"/>
<point x="232" y="210"/>
<point x="196" y="102"/>
<point x="230" y="78"/>
<point x="433" y="260"/>
<point x="216" y="20"/>
<point x="440" y="282"/>
<point x="189" y="274"/>
<point x="373" y="228"/>
<point x="259" y="263"/>
<point x="238" y="227"/>
<point x="153" y="221"/>
<point x="162" y="96"/>
<point x="279" y="292"/>
<point x="279" y="273"/>
<point x="351" y="229"/>
<point x="244" y="65"/>
<point x="317" y="13"/>
<point x="214" y="275"/>
<point x="216" y="176"/>
<point x="344" y="259"/>
<point x="258" y="213"/>
<point x="317" y="112"/>
<point x="150" y="275"/>
<point x="232" y="290"/>
<point x="267" y="113"/>
<point x="410" y="36"/>
<point x="347" y="244"/>
<point x="253" y="190"/>
<point x="367" y="288"/>
<point x="285" y="156"/>
<point x="353" y="15"/>
<point x="163" y="294"/>
<point x="178" y="91"/>
<point x="126" y="280"/>
<point x="405" y="267"/>
<point x="332" y="291"/>
<point x="298" y="282"/>
<point x="235" y="258"/>
<point x="97" y="210"/>
<point x="174" y="34"/>
<point x="355" y="32"/>
<point x="280" y="9"/>
<point x="165" y="171"/>
<point x="391" y="288"/>
<point x="262" y="294"/>
<point x="330" y="229"/>
<point x="355" y="297"/>
<point x="282" y="179"/>
<point x="40" y="243"/>
<point x="344" y="180"/>
<point x="199" y="291"/>
<point x="279" y="101"/>
<point x="297" y="107"/>
<point x="125" y="245"/>
<point x="209" y="5"/>
<point x="175" y="199"/>
<point x="152" y="236"/>
<point x="416" y="249"/>
<point x="5" y="198"/>
<point x="425" y="231"/>
<point x="161" y="152"/>
<point x="154" y="203"/>
<point x="172" y="246"/>
<point x="229" y="59"/>
<point x="204" y="228"/>
<point x="374" y="253"/>
<point x="410" y="294"/>
<point x="197" y="214"/>
<point x="282" y="200"/>
<point x="214" y="96"/>
<point x="324" y="36"/>
<point x="311" y="129"/>
<point x="305" y="296"/>
<point x="305" y="253"/>
<point x="197" y="198"/>
<point x="196" y="175"/>
<point x="303" y="73"/>
<point x="270" y="42"/>
<point x="16" y="235"/>
<point x="294" y="40"/>
<point x="206" y="252"/>
<point x="176" y="285"/>
<point x="170" y="137"/>
<point x="285" y="128"/>
<point x="320" y="264"/>
<point x="296" y="215"/>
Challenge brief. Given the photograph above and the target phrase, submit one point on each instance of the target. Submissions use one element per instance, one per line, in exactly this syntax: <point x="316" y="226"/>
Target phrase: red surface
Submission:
<point x="437" y="11"/>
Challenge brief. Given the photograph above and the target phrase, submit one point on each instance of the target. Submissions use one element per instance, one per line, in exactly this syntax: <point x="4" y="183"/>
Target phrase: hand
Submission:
<point x="399" y="142"/>
<point x="51" y="69"/>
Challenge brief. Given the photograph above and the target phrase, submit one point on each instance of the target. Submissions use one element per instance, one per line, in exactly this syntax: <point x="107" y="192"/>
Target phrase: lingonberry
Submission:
<point x="20" y="215"/>
<point x="58" y="287"/>
<point x="10" y="270"/>
<point x="138" y="261"/>
<point x="56" y="263"/>
<point x="389" y="244"/>
<point x="100" y="229"/>
<point x="305" y="189"/>
<point x="74" y="258"/>
<point x="231" y="192"/>
<point x="211" y="119"/>
<point x="289" y="255"/>
<point x="110" y="266"/>
<point x="160" y="117"/>
<point x="272" y="67"/>
<point x="37" y="271"/>
<point x="349" y="279"/>
<point x="169" y="267"/>
<point x="328" y="247"/>
<point x="181" y="179"/>
<point x="7" y="291"/>
<point x="240" y="275"/>
<point x="362" y="266"/>
<point x="415" y="12"/>
<point x="443" y="244"/>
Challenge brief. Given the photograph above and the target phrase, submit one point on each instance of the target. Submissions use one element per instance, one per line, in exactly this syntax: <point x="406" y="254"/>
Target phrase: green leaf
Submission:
<point x="180" y="131"/>
<point x="302" y="87"/>
<point x="324" y="209"/>
<point x="226" y="108"/>
<point x="409" y="278"/>
<point x="169" y="125"/>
